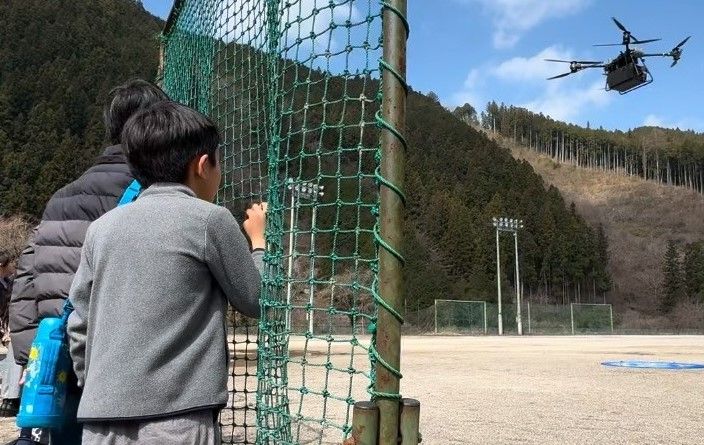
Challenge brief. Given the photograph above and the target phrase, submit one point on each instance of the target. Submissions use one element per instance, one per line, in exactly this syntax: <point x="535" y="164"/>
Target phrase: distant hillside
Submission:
<point x="457" y="180"/>
<point x="60" y="58"/>
<point x="666" y="156"/>
<point x="639" y="218"/>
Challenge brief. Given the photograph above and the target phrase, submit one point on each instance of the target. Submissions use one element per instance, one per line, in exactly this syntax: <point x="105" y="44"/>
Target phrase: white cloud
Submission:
<point x="511" y="18"/>
<point x="471" y="91"/>
<point x="565" y="103"/>
<point x="562" y="99"/>
<point x="653" y="120"/>
<point x="534" y="68"/>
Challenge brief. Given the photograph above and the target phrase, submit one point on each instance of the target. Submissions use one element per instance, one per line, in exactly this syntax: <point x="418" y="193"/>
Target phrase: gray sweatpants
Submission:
<point x="10" y="388"/>
<point x="197" y="428"/>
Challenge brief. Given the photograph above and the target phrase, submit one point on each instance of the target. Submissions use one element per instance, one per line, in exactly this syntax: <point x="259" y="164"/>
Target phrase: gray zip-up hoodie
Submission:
<point x="148" y="336"/>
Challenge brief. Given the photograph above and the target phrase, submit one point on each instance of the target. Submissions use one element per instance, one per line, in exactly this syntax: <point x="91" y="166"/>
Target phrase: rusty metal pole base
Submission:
<point x="365" y="424"/>
<point x="409" y="420"/>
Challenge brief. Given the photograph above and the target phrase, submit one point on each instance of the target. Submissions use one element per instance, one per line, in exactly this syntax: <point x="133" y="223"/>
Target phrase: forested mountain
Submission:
<point x="457" y="180"/>
<point x="672" y="157"/>
<point x="671" y="273"/>
<point x="58" y="61"/>
<point x="51" y="94"/>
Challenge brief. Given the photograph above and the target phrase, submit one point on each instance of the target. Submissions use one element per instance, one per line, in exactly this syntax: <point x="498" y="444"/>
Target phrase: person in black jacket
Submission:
<point x="7" y="274"/>
<point x="13" y="236"/>
<point x="47" y="265"/>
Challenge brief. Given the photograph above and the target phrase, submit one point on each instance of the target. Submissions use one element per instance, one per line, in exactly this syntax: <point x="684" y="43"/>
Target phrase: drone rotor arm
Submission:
<point x="579" y="62"/>
<point x="578" y="67"/>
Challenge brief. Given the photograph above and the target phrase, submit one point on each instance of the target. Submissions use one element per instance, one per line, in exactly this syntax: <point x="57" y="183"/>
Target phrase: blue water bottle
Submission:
<point x="44" y="394"/>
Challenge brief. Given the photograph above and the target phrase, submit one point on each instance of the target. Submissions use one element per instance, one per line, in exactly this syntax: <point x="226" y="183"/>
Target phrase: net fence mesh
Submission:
<point x="293" y="87"/>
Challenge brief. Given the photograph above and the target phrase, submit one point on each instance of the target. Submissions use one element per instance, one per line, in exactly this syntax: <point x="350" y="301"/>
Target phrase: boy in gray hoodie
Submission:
<point x="148" y="336"/>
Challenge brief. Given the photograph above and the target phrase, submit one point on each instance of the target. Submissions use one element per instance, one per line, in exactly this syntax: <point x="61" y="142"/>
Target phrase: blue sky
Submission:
<point x="480" y="50"/>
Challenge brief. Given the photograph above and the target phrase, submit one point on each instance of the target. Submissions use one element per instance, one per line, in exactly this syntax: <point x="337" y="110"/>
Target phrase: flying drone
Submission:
<point x="627" y="71"/>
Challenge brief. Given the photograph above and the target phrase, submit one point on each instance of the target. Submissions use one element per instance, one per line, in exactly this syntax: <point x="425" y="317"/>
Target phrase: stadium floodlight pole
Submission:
<point x="519" y="319"/>
<point x="513" y="226"/>
<point x="290" y="186"/>
<point x="498" y="278"/>
<point x="310" y="191"/>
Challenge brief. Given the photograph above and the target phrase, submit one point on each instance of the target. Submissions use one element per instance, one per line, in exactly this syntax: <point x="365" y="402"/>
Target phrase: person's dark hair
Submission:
<point x="161" y="140"/>
<point x="127" y="99"/>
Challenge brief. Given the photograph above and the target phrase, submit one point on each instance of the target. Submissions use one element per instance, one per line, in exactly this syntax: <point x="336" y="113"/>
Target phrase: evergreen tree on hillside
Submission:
<point x="673" y="286"/>
<point x="467" y="114"/>
<point x="693" y="265"/>
<point x="602" y="280"/>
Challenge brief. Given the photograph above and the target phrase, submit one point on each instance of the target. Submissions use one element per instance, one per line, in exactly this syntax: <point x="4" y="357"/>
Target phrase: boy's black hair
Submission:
<point x="161" y="140"/>
<point x="127" y="99"/>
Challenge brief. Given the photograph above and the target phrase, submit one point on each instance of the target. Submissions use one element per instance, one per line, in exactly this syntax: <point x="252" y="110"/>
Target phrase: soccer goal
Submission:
<point x="548" y="319"/>
<point x="591" y="318"/>
<point x="460" y="316"/>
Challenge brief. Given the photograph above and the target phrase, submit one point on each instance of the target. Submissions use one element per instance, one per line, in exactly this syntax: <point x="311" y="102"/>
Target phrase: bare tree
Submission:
<point x="14" y="231"/>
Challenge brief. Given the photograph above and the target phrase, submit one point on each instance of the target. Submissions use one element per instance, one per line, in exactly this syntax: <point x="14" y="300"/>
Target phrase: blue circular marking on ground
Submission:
<point x="649" y="364"/>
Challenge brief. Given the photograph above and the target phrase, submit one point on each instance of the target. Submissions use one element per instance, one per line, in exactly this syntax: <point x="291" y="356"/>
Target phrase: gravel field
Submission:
<point x="535" y="390"/>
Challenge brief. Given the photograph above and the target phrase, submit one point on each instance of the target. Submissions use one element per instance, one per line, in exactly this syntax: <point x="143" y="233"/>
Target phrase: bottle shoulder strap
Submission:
<point x="130" y="194"/>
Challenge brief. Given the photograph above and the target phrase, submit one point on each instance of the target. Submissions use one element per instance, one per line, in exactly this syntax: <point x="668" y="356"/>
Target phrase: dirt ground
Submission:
<point x="527" y="390"/>
<point x="553" y="390"/>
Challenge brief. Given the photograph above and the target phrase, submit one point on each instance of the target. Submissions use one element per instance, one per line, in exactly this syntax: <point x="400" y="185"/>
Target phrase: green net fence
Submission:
<point x="294" y="87"/>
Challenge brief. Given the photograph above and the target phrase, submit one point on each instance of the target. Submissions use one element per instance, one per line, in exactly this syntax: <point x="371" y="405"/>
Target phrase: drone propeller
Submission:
<point x="676" y="52"/>
<point x="620" y="25"/>
<point x="560" y="75"/>
<point x="637" y="42"/>
<point x="628" y="38"/>
<point x="679" y="45"/>
<point x="640" y="42"/>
